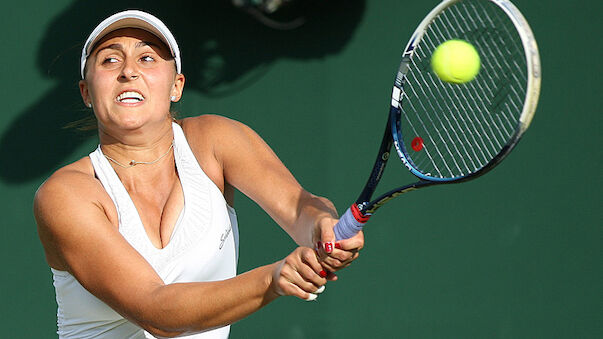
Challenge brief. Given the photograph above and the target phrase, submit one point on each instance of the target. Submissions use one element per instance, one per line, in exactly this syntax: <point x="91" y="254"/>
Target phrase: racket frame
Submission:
<point x="393" y="135"/>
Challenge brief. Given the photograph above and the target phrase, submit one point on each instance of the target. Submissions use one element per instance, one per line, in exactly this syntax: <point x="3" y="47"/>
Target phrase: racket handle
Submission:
<point x="350" y="223"/>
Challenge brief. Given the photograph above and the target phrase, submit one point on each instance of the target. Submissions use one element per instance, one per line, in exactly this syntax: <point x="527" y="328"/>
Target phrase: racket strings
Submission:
<point x="514" y="52"/>
<point x="476" y="88"/>
<point x="436" y="162"/>
<point x="480" y="129"/>
<point x="432" y="92"/>
<point x="461" y="137"/>
<point x="464" y="126"/>
<point x="453" y="98"/>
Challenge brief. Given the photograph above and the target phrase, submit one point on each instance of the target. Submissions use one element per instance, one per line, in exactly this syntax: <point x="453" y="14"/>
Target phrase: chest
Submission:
<point x="196" y="230"/>
<point x="159" y="212"/>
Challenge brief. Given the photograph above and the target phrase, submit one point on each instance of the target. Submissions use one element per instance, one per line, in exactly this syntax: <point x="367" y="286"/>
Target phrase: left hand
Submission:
<point x="335" y="255"/>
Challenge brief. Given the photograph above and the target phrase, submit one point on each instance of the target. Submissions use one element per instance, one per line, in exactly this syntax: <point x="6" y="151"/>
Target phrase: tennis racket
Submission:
<point x="450" y="133"/>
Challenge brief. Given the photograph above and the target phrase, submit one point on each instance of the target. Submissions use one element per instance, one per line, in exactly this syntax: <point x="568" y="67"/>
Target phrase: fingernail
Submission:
<point x="337" y="245"/>
<point x="320" y="289"/>
<point x="322" y="273"/>
<point x="311" y="297"/>
<point x="318" y="245"/>
<point x="328" y="247"/>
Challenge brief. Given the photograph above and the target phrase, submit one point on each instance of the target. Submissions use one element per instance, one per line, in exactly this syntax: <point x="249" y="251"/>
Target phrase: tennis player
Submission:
<point x="141" y="236"/>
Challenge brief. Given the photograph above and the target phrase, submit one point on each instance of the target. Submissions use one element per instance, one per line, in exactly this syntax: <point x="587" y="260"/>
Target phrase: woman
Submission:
<point x="140" y="234"/>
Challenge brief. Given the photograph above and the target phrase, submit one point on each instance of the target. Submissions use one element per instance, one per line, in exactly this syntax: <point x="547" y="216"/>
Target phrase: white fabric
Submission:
<point x="203" y="247"/>
<point x="131" y="19"/>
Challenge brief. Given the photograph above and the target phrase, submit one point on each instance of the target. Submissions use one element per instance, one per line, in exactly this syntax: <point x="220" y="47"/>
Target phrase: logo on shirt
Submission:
<point x="224" y="236"/>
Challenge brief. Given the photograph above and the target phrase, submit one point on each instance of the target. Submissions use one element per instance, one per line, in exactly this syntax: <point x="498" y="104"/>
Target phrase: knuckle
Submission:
<point x="335" y="263"/>
<point x="307" y="254"/>
<point x="343" y="256"/>
<point x="282" y="283"/>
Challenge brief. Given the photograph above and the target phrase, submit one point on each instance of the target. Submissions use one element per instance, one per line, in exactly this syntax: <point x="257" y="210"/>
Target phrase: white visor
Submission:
<point x="131" y="19"/>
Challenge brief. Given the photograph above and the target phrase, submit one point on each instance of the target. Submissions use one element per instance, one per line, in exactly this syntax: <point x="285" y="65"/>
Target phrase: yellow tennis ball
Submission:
<point x="455" y="61"/>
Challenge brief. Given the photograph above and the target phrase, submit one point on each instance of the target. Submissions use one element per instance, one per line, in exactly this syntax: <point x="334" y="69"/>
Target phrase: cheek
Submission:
<point x="161" y="86"/>
<point x="97" y="84"/>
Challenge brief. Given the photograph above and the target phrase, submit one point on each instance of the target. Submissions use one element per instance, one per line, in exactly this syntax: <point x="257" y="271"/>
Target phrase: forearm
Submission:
<point x="192" y="307"/>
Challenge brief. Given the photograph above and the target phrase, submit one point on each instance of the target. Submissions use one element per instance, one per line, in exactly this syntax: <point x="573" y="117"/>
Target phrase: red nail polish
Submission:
<point x="318" y="245"/>
<point x="328" y="247"/>
<point x="337" y="245"/>
<point x="323" y="273"/>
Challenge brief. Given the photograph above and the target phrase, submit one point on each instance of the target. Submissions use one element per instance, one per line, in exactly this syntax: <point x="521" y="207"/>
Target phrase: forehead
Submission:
<point x="133" y="35"/>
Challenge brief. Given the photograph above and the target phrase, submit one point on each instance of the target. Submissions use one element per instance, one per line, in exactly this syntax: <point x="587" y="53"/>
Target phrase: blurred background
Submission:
<point x="514" y="254"/>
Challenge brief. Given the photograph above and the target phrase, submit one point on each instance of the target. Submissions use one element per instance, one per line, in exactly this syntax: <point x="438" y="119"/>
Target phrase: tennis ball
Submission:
<point x="455" y="61"/>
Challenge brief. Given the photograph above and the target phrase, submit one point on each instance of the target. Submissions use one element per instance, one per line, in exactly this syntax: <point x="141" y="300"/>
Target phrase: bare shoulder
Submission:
<point x="217" y="134"/>
<point x="210" y="126"/>
<point x="74" y="180"/>
<point x="70" y="191"/>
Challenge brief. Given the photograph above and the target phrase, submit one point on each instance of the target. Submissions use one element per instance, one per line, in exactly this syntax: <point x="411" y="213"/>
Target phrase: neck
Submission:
<point x="138" y="139"/>
<point x="148" y="145"/>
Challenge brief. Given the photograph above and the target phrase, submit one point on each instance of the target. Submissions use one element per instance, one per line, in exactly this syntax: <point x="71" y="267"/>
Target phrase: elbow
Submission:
<point x="159" y="325"/>
<point x="160" y="332"/>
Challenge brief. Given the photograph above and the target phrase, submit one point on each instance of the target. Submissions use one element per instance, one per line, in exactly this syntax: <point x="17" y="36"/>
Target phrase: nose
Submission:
<point x="129" y="71"/>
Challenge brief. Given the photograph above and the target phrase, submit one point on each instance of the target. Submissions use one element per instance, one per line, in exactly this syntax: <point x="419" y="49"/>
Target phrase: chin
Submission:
<point x="133" y="122"/>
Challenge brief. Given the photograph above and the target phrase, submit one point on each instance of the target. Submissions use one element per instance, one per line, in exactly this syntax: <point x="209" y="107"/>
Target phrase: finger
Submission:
<point x="312" y="281"/>
<point x="331" y="264"/>
<point x="311" y="259"/>
<point x="327" y="240"/>
<point x="332" y="276"/>
<point x="342" y="250"/>
<point x="303" y="277"/>
<point x="311" y="297"/>
<point x="329" y="252"/>
<point x="354" y="243"/>
<point x="350" y="257"/>
<point x="342" y="255"/>
<point x="291" y="289"/>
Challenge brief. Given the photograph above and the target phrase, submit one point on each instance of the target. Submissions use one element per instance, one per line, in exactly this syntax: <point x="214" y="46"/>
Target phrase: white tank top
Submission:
<point x="203" y="247"/>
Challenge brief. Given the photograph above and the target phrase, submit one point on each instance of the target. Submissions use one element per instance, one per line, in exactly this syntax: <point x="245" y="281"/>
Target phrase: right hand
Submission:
<point x="299" y="274"/>
<point x="334" y="254"/>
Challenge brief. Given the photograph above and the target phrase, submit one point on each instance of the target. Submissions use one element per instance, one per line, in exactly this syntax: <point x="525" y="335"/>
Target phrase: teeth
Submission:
<point x="130" y="97"/>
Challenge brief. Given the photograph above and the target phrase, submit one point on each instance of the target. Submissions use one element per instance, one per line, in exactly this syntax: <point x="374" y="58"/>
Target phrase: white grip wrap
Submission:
<point x="347" y="226"/>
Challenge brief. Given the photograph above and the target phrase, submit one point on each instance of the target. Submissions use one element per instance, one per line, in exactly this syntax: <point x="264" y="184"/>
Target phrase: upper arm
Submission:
<point x="77" y="233"/>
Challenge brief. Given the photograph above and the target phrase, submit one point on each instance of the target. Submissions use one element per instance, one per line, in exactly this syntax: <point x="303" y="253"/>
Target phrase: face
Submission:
<point x="130" y="77"/>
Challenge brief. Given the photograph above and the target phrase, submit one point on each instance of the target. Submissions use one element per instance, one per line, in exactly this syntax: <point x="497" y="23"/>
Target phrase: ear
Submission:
<point x="85" y="93"/>
<point x="178" y="87"/>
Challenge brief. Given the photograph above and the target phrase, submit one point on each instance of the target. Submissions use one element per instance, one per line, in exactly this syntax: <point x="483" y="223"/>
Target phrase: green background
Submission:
<point x="514" y="254"/>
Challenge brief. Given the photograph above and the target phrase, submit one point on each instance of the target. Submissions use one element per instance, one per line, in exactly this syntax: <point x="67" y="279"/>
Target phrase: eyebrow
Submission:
<point x="120" y="47"/>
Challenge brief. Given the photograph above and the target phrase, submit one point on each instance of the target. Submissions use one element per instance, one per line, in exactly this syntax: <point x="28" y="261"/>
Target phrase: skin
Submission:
<point x="78" y="222"/>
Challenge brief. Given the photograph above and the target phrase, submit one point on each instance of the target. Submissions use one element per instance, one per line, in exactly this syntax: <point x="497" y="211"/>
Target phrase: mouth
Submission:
<point x="130" y="97"/>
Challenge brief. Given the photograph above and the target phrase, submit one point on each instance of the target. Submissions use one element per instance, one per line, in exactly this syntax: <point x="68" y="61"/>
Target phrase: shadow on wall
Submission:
<point x="223" y="50"/>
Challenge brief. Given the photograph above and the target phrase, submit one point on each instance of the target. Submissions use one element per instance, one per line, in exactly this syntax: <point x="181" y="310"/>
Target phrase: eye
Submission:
<point x="147" y="58"/>
<point x="110" y="60"/>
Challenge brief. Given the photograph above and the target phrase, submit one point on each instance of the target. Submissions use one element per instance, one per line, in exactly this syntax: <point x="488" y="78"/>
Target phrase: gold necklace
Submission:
<point x="134" y="162"/>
